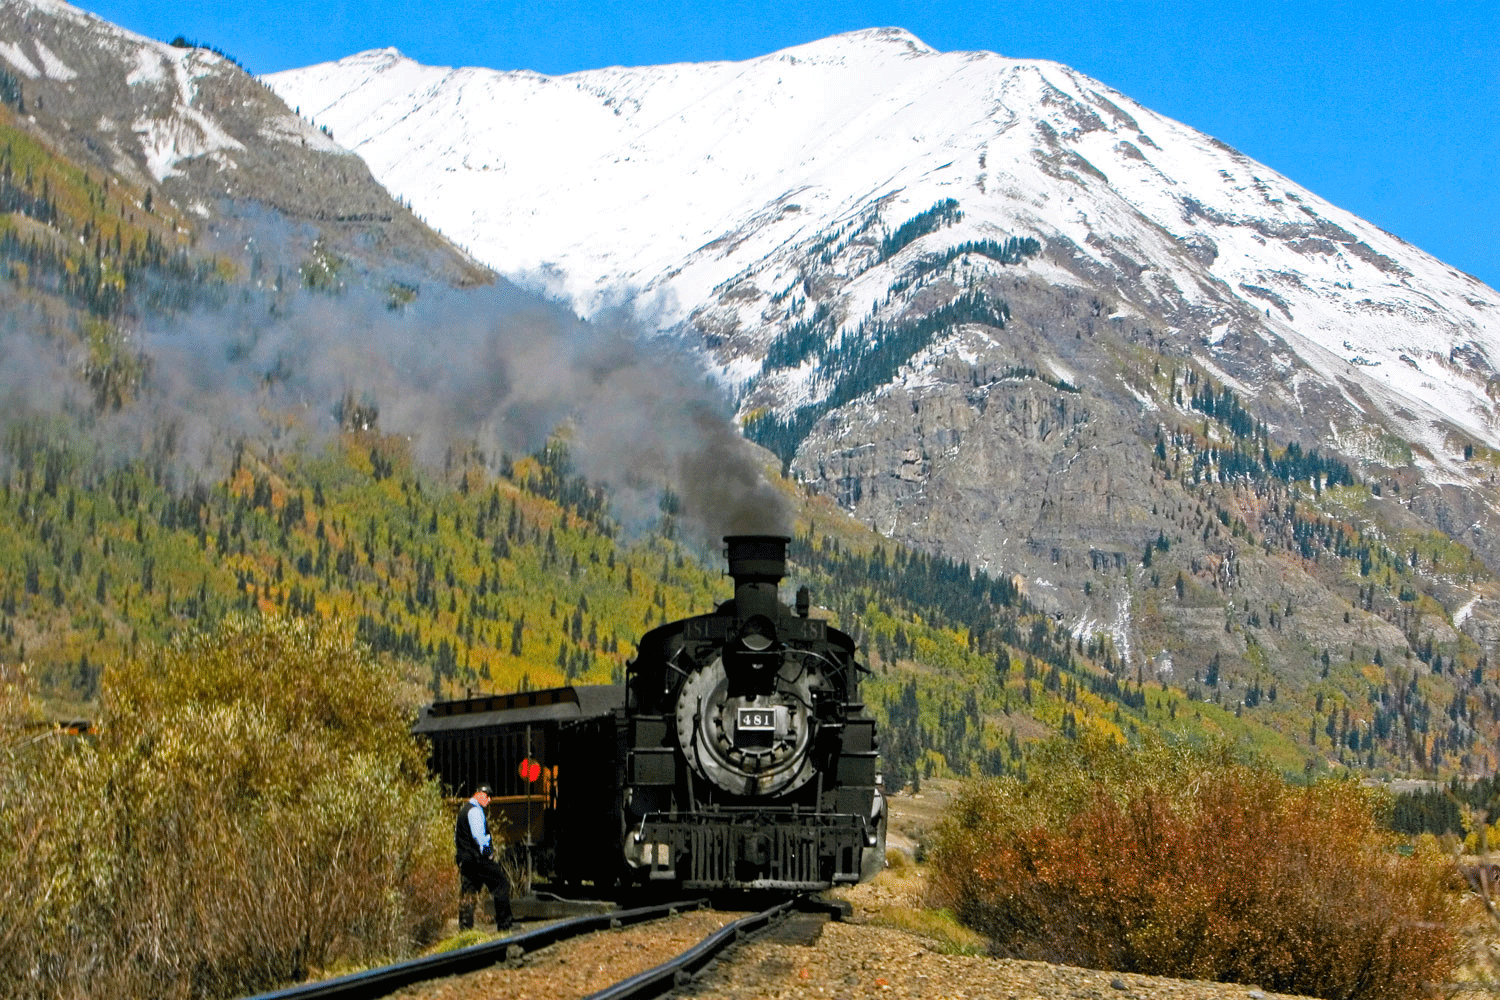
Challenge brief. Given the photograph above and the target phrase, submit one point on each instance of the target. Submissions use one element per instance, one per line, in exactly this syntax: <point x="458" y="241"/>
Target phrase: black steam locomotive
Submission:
<point x="736" y="755"/>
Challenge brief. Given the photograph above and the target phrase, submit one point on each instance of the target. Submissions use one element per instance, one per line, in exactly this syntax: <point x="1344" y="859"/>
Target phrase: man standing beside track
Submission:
<point x="474" y="854"/>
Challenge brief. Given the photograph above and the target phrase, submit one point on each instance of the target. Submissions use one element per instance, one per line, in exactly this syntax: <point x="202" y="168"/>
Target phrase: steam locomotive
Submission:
<point x="736" y="755"/>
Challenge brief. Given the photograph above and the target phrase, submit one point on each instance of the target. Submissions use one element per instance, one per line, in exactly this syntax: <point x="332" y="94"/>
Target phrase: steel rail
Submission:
<point x="680" y="970"/>
<point x="388" y="978"/>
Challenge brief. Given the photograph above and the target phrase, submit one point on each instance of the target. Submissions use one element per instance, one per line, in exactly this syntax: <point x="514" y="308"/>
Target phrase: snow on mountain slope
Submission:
<point x="161" y="85"/>
<point x="664" y="182"/>
<point x="190" y="126"/>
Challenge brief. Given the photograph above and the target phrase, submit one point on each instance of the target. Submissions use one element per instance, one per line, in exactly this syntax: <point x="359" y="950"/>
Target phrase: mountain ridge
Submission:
<point x="1149" y="418"/>
<point x="692" y="265"/>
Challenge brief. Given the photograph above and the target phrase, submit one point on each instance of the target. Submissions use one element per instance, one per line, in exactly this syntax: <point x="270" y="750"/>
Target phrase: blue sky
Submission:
<point x="1390" y="110"/>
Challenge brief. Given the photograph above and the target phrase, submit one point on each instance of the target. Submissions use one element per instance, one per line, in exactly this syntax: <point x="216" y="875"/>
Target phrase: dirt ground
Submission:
<point x="913" y="818"/>
<point x="892" y="945"/>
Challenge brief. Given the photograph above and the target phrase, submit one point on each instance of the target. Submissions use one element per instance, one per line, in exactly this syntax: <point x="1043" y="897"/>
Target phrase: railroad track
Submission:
<point x="653" y="982"/>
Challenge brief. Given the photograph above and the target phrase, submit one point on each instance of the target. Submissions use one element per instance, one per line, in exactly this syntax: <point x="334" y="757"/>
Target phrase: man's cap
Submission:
<point x="486" y="789"/>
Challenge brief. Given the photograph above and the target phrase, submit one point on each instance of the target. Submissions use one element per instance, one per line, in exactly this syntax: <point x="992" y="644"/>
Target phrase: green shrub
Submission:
<point x="1183" y="862"/>
<point x="253" y="810"/>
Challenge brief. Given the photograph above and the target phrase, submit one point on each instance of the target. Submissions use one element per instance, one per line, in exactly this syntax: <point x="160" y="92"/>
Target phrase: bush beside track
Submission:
<point x="1185" y="862"/>
<point x="252" y="809"/>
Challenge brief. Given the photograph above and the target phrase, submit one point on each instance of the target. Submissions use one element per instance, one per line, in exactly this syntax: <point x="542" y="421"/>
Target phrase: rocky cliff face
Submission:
<point x="973" y="449"/>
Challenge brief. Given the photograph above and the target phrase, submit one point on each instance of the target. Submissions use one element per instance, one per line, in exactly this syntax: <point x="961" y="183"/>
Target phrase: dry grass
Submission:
<point x="463" y="939"/>
<point x="941" y="927"/>
<point x="898" y="898"/>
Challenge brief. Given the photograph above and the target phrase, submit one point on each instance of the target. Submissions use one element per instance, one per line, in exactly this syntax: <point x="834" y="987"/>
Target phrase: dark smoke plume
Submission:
<point x="493" y="366"/>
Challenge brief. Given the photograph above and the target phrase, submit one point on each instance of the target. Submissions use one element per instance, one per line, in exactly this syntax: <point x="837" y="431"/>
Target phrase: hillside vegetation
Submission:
<point x="496" y="572"/>
<point x="466" y="580"/>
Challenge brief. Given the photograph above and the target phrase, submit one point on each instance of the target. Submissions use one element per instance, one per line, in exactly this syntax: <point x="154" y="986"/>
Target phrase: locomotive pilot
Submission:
<point x="474" y="853"/>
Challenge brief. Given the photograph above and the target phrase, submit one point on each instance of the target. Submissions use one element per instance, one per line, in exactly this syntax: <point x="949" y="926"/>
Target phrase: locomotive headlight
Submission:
<point x="752" y="656"/>
<point x="758" y="634"/>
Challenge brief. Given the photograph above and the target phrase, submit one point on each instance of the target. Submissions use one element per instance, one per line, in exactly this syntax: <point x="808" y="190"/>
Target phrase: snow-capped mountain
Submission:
<point x="669" y="182"/>
<point x="846" y="226"/>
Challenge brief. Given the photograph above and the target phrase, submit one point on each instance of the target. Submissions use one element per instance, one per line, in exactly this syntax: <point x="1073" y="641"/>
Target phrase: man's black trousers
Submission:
<point x="477" y="873"/>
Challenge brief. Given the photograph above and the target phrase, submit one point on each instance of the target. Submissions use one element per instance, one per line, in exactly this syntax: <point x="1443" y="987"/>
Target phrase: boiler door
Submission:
<point x="747" y="745"/>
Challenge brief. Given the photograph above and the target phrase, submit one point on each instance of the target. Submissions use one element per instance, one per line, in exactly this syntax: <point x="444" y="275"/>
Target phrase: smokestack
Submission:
<point x="757" y="563"/>
<point x="752" y="654"/>
<point x="756" y="559"/>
